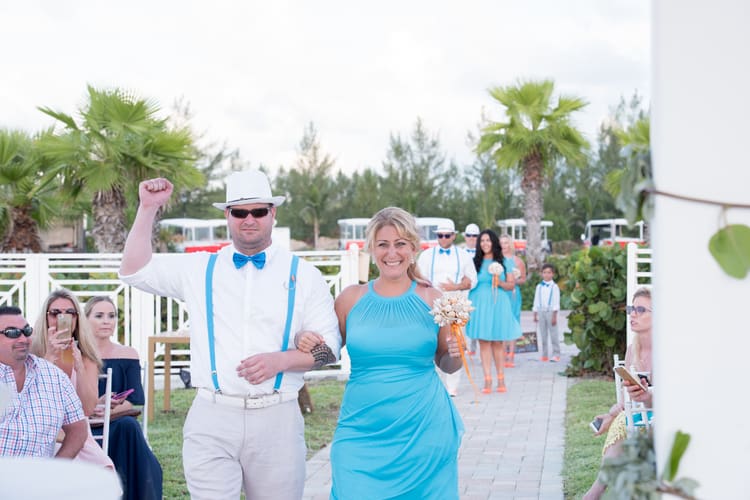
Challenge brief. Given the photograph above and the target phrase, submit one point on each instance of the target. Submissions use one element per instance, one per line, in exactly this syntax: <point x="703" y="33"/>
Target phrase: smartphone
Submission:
<point x="596" y="424"/>
<point x="64" y="322"/>
<point x="644" y="379"/>
<point x="123" y="394"/>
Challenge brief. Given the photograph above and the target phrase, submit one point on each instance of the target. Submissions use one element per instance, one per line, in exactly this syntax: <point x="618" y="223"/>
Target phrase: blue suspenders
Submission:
<point x="292" y="289"/>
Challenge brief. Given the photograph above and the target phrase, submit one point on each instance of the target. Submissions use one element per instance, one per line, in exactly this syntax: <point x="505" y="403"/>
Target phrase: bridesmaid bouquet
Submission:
<point x="495" y="270"/>
<point x="454" y="310"/>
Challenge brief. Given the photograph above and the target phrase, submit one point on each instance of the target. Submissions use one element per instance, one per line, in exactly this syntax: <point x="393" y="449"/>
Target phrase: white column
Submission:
<point x="700" y="132"/>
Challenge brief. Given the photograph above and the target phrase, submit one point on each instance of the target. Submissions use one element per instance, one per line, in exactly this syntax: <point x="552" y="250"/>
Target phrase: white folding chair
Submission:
<point x="637" y="415"/>
<point x="107" y="410"/>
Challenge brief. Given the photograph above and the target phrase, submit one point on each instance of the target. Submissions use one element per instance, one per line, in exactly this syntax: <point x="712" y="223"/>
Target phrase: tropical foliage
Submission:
<point x="28" y="197"/>
<point x="536" y="134"/>
<point x="598" y="289"/>
<point x="91" y="166"/>
<point x="119" y="141"/>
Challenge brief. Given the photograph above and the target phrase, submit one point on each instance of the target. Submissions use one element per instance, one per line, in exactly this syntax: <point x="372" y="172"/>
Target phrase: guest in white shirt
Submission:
<point x="451" y="270"/>
<point x="244" y="429"/>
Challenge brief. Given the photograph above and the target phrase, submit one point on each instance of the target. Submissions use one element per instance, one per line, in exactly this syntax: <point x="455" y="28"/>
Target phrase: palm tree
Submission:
<point x="28" y="199"/>
<point x="532" y="139"/>
<point x="119" y="142"/>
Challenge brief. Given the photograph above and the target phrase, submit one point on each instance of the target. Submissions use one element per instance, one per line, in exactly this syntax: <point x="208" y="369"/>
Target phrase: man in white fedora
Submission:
<point x="451" y="270"/>
<point x="247" y="304"/>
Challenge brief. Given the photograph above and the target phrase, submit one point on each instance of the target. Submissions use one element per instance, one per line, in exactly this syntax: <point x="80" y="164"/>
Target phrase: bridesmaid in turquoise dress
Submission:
<point x="512" y="261"/>
<point x="398" y="432"/>
<point x="492" y="322"/>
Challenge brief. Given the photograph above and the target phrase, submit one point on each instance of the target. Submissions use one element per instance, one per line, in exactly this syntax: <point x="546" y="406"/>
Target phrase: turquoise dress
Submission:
<point x="515" y="294"/>
<point x="492" y="317"/>
<point x="398" y="432"/>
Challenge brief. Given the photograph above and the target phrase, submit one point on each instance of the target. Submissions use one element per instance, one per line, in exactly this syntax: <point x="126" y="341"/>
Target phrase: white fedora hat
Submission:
<point x="446" y="227"/>
<point x="250" y="186"/>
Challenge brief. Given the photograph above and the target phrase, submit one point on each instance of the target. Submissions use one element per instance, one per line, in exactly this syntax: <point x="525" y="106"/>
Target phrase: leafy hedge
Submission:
<point x="597" y="291"/>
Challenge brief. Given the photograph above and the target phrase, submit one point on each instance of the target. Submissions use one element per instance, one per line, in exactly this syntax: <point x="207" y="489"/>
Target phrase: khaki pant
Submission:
<point x="227" y="448"/>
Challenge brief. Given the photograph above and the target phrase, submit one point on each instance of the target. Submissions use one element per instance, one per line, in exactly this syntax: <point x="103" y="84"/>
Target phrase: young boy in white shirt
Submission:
<point x="546" y="307"/>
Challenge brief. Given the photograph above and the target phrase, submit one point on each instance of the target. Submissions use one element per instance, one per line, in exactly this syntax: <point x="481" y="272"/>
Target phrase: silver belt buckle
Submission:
<point x="253" y="402"/>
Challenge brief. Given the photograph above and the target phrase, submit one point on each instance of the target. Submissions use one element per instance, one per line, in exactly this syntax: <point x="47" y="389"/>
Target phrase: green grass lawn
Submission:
<point x="583" y="450"/>
<point x="165" y="432"/>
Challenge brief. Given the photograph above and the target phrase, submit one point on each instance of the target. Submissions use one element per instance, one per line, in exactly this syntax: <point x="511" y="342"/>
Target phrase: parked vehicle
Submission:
<point x="196" y="235"/>
<point x="516" y="228"/>
<point x="427" y="227"/>
<point x="607" y="232"/>
<point x="352" y="231"/>
<point x="208" y="235"/>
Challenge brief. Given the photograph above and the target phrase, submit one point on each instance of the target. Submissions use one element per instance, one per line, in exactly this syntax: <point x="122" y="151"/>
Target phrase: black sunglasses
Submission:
<point x="14" y="333"/>
<point x="55" y="312"/>
<point x="242" y="213"/>
<point x="444" y="235"/>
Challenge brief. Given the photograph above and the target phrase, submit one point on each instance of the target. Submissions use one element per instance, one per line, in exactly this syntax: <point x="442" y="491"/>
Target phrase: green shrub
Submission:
<point x="598" y="296"/>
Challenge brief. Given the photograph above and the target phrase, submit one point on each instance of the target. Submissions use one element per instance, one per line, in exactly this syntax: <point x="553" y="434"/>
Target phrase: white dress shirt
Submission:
<point x="250" y="307"/>
<point x="439" y="267"/>
<point x="547" y="297"/>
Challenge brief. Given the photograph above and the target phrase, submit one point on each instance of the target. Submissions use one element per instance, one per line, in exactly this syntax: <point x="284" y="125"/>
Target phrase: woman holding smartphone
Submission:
<point x="638" y="355"/>
<point x="68" y="344"/>
<point x="139" y="470"/>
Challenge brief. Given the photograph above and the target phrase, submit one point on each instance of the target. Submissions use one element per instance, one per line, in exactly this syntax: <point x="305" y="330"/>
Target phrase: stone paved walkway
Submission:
<point x="514" y="442"/>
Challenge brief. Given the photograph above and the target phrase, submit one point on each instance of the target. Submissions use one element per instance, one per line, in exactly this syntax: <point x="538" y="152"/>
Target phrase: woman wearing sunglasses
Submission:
<point x="638" y="355"/>
<point x="72" y="350"/>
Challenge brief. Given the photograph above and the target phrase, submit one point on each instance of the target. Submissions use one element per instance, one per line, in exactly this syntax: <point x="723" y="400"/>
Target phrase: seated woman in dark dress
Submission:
<point x="139" y="470"/>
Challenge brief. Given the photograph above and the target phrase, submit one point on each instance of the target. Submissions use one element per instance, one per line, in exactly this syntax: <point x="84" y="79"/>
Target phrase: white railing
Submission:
<point x="639" y="274"/>
<point x="27" y="279"/>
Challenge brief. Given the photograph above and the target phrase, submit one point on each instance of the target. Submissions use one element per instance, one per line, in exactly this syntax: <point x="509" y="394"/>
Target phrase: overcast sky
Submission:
<point x="255" y="73"/>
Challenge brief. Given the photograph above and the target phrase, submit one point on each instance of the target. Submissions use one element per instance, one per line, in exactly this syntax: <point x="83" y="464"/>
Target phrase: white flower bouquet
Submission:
<point x="454" y="309"/>
<point x="495" y="269"/>
<point x="451" y="309"/>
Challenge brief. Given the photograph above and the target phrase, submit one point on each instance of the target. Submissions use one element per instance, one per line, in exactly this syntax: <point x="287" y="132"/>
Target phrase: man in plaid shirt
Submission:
<point x="37" y="397"/>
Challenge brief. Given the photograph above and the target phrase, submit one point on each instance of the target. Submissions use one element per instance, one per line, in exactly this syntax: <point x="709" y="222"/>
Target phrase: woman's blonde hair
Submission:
<point x="95" y="300"/>
<point x="82" y="331"/>
<point x="406" y="227"/>
<point x="512" y="243"/>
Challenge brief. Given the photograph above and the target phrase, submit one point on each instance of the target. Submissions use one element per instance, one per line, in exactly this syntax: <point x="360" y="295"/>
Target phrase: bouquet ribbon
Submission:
<point x="457" y="332"/>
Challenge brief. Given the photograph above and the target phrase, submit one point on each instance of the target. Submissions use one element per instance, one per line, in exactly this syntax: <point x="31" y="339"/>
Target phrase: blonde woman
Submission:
<point x="73" y="351"/>
<point x="516" y="266"/>
<point x="638" y="355"/>
<point x="139" y="469"/>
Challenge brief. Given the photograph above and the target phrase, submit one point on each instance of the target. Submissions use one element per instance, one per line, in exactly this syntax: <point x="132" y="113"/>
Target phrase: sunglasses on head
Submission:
<point x="14" y="333"/>
<point x="444" y="235"/>
<point x="55" y="312"/>
<point x="242" y="213"/>
<point x="636" y="309"/>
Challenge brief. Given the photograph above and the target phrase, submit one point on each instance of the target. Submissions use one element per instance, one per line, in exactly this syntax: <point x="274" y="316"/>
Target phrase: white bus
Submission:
<point x="352" y="231"/>
<point x="516" y="228"/>
<point x="607" y="232"/>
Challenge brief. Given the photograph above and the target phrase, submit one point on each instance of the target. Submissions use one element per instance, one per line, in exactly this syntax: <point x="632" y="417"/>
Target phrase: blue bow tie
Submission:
<point x="471" y="250"/>
<point x="258" y="260"/>
<point x="446" y="251"/>
<point x="544" y="283"/>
